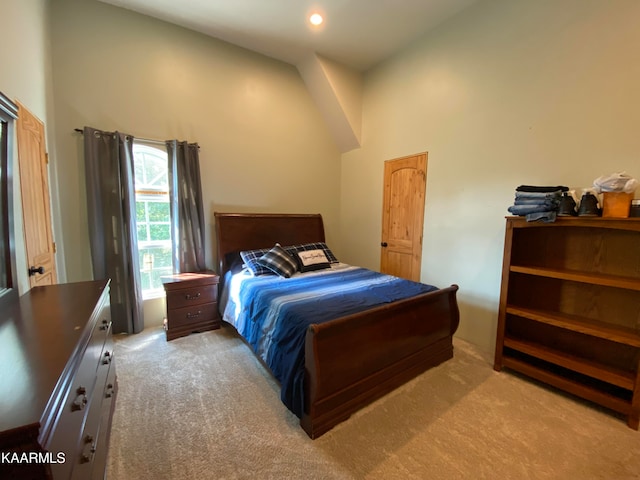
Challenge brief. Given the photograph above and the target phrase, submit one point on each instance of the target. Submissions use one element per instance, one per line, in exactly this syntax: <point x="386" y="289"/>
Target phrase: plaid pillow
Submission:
<point x="312" y="246"/>
<point x="250" y="259"/>
<point x="278" y="261"/>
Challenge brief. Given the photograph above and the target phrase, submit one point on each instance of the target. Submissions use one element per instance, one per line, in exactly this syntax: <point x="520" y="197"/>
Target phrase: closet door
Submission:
<point x="405" y="182"/>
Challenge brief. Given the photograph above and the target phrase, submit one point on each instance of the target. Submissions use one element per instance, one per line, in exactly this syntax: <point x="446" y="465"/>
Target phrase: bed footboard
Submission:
<point x="354" y="360"/>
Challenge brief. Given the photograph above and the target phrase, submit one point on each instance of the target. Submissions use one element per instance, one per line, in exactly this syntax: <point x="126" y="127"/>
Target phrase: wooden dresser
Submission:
<point x="570" y="308"/>
<point x="58" y="387"/>
<point x="192" y="303"/>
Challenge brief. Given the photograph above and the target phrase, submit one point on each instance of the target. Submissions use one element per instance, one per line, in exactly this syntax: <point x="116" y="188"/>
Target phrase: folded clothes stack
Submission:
<point x="537" y="202"/>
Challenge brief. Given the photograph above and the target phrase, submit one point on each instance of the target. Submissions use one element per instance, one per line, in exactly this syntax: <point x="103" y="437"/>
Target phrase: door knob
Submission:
<point x="384" y="244"/>
<point x="34" y="270"/>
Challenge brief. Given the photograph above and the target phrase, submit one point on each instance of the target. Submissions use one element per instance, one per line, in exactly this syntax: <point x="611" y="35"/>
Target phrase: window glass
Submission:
<point x="152" y="216"/>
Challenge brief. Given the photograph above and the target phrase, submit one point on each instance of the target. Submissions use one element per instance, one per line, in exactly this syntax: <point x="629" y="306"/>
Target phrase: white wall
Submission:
<point x="539" y="92"/>
<point x="264" y="146"/>
<point x="26" y="77"/>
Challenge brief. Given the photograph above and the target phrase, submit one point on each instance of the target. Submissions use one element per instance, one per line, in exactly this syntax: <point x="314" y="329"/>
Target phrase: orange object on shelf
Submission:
<point x="616" y="204"/>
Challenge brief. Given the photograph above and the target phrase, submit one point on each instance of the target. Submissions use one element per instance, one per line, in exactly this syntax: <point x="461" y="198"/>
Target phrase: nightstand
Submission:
<point x="192" y="303"/>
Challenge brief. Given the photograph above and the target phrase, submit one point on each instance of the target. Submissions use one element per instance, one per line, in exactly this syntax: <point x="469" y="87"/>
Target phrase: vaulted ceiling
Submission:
<point x="356" y="33"/>
<point x="355" y="36"/>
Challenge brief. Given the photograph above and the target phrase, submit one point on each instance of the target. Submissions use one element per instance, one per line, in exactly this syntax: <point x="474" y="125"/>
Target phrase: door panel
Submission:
<point x="34" y="186"/>
<point x="403" y="216"/>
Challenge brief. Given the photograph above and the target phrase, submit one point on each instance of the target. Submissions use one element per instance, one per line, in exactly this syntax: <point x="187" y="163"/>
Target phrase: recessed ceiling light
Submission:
<point x="316" y="19"/>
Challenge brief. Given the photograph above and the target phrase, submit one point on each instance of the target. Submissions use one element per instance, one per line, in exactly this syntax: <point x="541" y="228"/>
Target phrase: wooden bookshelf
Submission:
<point x="569" y="312"/>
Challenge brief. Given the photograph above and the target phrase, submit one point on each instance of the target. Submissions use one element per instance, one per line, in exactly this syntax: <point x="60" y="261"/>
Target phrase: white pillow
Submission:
<point x="312" y="260"/>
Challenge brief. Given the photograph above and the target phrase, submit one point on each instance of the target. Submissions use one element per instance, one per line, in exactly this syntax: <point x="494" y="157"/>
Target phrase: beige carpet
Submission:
<point x="203" y="407"/>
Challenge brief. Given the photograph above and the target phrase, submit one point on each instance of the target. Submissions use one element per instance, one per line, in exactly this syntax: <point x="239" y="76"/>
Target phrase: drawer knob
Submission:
<point x="109" y="391"/>
<point x="107" y="358"/>
<point x="194" y="315"/>
<point x="81" y="400"/>
<point x="189" y="296"/>
<point x="88" y="450"/>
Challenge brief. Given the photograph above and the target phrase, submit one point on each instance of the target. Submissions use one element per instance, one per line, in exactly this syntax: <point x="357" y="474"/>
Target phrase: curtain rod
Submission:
<point x="145" y="140"/>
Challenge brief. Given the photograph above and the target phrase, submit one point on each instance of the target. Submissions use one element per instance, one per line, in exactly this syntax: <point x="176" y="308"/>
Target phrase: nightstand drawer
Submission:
<point x="194" y="314"/>
<point x="188" y="297"/>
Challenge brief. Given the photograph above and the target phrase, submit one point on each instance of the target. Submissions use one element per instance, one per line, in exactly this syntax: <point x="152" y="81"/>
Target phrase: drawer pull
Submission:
<point x="81" y="400"/>
<point x="105" y="325"/>
<point x="107" y="358"/>
<point x="87" y="455"/>
<point x="109" y="391"/>
<point x="188" y="296"/>
<point x="194" y="315"/>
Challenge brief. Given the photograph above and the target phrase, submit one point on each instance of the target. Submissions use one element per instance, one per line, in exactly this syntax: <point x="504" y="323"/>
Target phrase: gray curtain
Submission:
<point x="112" y="223"/>
<point x="187" y="214"/>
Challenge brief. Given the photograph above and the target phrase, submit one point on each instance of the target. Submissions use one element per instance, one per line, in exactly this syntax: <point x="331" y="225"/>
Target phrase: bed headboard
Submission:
<point x="249" y="231"/>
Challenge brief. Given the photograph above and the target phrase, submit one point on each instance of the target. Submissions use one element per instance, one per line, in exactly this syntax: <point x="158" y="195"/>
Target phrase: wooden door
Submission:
<point x="36" y="211"/>
<point x="405" y="181"/>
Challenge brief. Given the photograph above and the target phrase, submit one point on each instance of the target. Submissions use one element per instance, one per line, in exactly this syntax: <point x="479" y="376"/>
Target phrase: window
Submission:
<point x="153" y="218"/>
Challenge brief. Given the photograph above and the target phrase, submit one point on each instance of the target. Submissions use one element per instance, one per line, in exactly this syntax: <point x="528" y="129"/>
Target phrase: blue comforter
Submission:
<point x="273" y="313"/>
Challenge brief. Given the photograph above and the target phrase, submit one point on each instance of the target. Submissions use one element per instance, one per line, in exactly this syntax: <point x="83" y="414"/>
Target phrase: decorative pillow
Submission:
<point x="278" y="261"/>
<point x="309" y="260"/>
<point x="250" y="259"/>
<point x="313" y="246"/>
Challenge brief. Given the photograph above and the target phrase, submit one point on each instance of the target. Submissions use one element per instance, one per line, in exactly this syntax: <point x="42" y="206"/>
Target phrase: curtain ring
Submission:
<point x="96" y="133"/>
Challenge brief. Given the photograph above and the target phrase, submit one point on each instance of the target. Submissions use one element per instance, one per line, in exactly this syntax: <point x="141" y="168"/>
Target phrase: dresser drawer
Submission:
<point x="75" y="404"/>
<point x="90" y="455"/>
<point x="197" y="295"/>
<point x="83" y="461"/>
<point x="108" y="404"/>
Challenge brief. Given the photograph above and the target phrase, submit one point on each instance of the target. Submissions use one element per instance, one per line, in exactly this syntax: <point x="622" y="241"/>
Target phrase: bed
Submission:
<point x="353" y="359"/>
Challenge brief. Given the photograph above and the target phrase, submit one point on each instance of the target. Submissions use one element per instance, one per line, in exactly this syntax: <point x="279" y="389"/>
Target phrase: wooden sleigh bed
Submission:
<point x="355" y="359"/>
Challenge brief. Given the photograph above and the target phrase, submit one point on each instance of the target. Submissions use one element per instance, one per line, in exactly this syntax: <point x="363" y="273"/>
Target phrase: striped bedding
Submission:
<point x="272" y="313"/>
